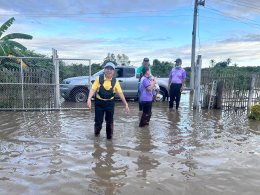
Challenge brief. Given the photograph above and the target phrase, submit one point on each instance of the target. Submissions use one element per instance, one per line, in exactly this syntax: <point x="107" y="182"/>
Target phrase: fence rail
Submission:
<point x="33" y="83"/>
<point x="233" y="90"/>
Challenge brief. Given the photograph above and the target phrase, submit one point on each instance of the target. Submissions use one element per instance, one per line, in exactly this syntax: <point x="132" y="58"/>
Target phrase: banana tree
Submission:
<point x="7" y="44"/>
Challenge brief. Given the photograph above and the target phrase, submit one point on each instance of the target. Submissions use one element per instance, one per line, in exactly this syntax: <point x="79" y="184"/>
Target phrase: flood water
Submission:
<point x="184" y="152"/>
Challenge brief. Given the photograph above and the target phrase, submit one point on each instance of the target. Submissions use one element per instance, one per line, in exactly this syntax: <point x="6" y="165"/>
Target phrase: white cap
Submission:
<point x="110" y="64"/>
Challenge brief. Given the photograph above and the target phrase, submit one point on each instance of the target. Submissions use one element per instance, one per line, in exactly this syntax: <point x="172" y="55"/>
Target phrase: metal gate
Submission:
<point x="233" y="91"/>
<point x="35" y="83"/>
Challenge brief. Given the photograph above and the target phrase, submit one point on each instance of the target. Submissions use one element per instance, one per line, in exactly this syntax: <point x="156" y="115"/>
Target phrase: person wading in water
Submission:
<point x="139" y="75"/>
<point x="147" y="84"/>
<point x="105" y="87"/>
<point x="176" y="83"/>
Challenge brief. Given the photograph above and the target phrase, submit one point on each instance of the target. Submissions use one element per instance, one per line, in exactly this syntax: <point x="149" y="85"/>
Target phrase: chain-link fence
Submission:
<point x="40" y="83"/>
<point x="26" y="83"/>
<point x="233" y="90"/>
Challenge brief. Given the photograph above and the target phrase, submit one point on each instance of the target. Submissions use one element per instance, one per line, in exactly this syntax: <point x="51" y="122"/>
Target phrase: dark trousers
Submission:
<point x="139" y="102"/>
<point x="140" y="106"/>
<point x="102" y="108"/>
<point x="175" y="94"/>
<point x="147" y="113"/>
<point x="147" y="107"/>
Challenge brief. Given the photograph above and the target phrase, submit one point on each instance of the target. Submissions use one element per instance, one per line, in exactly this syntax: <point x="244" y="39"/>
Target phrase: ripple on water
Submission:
<point x="181" y="152"/>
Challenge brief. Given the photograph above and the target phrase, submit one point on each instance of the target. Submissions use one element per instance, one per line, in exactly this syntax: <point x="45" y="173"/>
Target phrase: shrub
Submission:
<point x="255" y="112"/>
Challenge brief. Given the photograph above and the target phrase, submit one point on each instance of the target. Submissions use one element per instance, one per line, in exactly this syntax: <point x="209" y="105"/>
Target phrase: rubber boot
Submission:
<point x="140" y="106"/>
<point x="109" y="130"/>
<point x="148" y="118"/>
<point x="177" y="105"/>
<point x="143" y="120"/>
<point x="97" y="130"/>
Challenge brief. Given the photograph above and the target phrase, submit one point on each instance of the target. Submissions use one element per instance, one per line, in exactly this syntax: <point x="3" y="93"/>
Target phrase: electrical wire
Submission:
<point x="242" y="5"/>
<point x="99" y="14"/>
<point x="237" y="18"/>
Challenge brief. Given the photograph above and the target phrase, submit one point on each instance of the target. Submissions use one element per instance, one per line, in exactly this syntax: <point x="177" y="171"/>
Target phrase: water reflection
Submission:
<point x="174" y="139"/>
<point x="145" y="161"/>
<point x="107" y="171"/>
<point x="184" y="152"/>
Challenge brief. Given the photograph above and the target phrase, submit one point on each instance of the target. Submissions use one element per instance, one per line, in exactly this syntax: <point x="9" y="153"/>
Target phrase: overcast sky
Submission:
<point x="158" y="29"/>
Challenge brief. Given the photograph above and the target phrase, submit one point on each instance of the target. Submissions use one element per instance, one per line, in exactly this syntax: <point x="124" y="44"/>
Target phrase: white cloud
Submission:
<point x="236" y="8"/>
<point x="241" y="49"/>
<point x="242" y="52"/>
<point x="8" y="12"/>
<point x="80" y="7"/>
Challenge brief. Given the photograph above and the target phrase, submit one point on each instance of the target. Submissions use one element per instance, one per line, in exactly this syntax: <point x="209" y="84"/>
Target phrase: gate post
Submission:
<point x="90" y="73"/>
<point x="220" y="88"/>
<point x="251" y="92"/>
<point x="197" y="83"/>
<point x="22" y="81"/>
<point x="57" y="77"/>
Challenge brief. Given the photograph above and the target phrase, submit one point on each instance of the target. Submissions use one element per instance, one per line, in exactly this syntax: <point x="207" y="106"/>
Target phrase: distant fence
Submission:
<point x="23" y="87"/>
<point x="232" y="91"/>
<point x="33" y="83"/>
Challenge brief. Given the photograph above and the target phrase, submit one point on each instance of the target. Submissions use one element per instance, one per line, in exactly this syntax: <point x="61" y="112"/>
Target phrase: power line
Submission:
<point x="247" y="3"/>
<point x="242" y="4"/>
<point x="100" y="14"/>
<point x="106" y="17"/>
<point x="237" y="18"/>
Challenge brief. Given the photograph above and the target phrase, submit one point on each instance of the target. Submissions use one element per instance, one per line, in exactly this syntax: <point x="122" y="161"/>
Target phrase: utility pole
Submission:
<point x="193" y="49"/>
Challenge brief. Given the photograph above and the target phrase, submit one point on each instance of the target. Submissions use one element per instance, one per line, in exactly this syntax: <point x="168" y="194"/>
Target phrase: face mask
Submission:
<point x="178" y="66"/>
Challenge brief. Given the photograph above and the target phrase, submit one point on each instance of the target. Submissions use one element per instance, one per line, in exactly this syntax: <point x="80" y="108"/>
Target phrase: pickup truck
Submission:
<point x="76" y="88"/>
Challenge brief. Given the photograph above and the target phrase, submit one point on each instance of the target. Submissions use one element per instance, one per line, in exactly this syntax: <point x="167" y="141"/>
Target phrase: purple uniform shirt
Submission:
<point x="177" y="75"/>
<point x="145" y="95"/>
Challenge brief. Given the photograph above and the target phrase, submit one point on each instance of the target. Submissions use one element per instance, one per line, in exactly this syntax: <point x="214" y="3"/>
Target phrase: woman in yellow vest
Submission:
<point x="105" y="87"/>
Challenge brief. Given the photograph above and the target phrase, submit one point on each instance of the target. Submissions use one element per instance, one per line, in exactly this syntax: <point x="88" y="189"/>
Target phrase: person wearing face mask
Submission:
<point x="139" y="75"/>
<point x="105" y="87"/>
<point x="147" y="84"/>
<point x="176" y="83"/>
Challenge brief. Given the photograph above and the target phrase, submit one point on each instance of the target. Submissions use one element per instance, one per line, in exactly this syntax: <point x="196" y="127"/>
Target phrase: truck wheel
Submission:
<point x="80" y="95"/>
<point x="67" y="99"/>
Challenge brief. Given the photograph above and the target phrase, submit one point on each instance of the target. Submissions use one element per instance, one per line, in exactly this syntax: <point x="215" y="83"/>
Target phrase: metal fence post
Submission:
<point x="22" y="80"/>
<point x="89" y="79"/>
<point x="251" y="92"/>
<point x="57" y="77"/>
<point x="197" y="83"/>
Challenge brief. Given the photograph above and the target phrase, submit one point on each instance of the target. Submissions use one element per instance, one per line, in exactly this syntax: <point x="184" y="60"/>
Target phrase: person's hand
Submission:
<point x="181" y="89"/>
<point x="89" y="104"/>
<point x="127" y="108"/>
<point x="153" y="80"/>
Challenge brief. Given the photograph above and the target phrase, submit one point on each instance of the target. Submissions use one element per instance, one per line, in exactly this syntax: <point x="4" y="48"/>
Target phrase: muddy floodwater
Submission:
<point x="184" y="152"/>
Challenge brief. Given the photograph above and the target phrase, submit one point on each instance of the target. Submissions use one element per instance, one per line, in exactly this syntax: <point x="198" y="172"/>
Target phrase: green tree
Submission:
<point x="161" y="69"/>
<point x="74" y="70"/>
<point x="41" y="61"/>
<point x="222" y="64"/>
<point x="229" y="60"/>
<point x="7" y="44"/>
<point x="212" y="62"/>
<point x="117" y="59"/>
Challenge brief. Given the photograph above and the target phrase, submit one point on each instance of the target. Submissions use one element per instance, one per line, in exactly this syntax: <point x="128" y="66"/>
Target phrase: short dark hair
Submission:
<point x="178" y="60"/>
<point x="145" y="69"/>
<point x="146" y="59"/>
